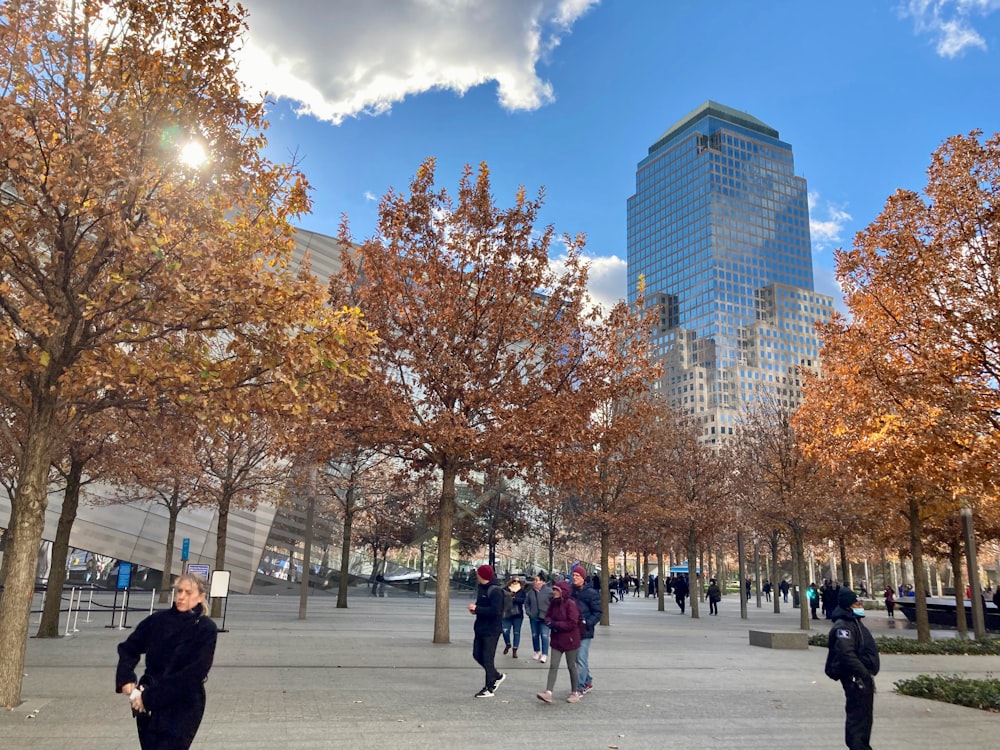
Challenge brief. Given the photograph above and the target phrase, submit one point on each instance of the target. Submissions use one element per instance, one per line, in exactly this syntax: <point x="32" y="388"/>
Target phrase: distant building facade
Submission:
<point x="718" y="236"/>
<point x="265" y="539"/>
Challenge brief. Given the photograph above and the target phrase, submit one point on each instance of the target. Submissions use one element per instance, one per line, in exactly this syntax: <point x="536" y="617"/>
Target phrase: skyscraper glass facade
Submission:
<point x="718" y="232"/>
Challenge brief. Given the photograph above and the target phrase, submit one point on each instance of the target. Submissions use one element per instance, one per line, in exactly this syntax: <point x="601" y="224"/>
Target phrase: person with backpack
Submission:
<point x="852" y="658"/>
<point x="488" y="610"/>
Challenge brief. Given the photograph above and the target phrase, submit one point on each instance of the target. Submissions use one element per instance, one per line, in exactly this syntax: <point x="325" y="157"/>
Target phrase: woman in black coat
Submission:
<point x="179" y="643"/>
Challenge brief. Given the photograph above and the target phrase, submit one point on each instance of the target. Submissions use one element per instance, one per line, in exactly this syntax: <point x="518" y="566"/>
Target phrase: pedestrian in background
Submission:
<point x="714" y="595"/>
<point x="488" y="609"/>
<point x="168" y="701"/>
<point x="890" y="601"/>
<point x="536" y="604"/>
<point x="513" y="615"/>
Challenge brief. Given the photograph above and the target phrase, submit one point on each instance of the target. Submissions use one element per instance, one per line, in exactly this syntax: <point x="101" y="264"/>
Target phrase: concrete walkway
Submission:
<point x="369" y="677"/>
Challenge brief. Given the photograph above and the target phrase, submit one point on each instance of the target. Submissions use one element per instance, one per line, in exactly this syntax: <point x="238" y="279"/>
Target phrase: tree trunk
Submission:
<point x="961" y="622"/>
<point x="173" y="510"/>
<point x="345" y="547"/>
<point x="773" y="542"/>
<point x="694" y="575"/>
<point x="661" y="588"/>
<point x="220" y="550"/>
<point x="846" y="575"/>
<point x="605" y="591"/>
<point x="49" y="625"/>
<point x="446" y="520"/>
<point x="27" y="522"/>
<point x="799" y="555"/>
<point x="917" y="554"/>
<point x="307" y="541"/>
<point x="168" y="556"/>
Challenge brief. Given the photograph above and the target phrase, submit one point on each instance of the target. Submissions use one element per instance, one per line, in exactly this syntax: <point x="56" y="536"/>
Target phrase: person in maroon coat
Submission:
<point x="563" y="619"/>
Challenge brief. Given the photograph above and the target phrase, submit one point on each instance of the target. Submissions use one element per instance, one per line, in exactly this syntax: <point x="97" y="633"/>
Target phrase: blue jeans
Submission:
<point x="512" y="623"/>
<point x="583" y="664"/>
<point x="539" y="636"/>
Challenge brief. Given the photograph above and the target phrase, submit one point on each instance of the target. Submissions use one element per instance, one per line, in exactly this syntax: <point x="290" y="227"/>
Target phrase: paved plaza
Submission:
<point x="369" y="677"/>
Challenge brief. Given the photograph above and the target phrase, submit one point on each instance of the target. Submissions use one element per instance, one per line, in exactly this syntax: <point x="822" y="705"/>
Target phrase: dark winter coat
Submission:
<point x="563" y="619"/>
<point x="179" y="648"/>
<point x="588" y="601"/>
<point x="489" y="610"/>
<point x="852" y="652"/>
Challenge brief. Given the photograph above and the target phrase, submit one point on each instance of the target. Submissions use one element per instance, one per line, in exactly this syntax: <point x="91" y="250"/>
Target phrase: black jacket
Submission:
<point x="588" y="601"/>
<point x="852" y="651"/>
<point x="489" y="610"/>
<point x="179" y="649"/>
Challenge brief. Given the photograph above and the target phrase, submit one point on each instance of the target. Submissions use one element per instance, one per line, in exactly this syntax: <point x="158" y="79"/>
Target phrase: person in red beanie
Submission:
<point x="588" y="601"/>
<point x="488" y="609"/>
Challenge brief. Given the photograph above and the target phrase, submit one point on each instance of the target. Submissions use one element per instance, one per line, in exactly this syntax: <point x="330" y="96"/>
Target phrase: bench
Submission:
<point x="767" y="639"/>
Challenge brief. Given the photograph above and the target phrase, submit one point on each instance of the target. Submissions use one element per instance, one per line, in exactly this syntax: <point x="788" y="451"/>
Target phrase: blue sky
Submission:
<point x="569" y="94"/>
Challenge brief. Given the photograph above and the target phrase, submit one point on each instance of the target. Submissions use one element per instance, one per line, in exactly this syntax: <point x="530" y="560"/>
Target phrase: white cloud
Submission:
<point x="605" y="281"/>
<point x="370" y="196"/>
<point x="341" y="58"/>
<point x="826" y="223"/>
<point x="950" y="22"/>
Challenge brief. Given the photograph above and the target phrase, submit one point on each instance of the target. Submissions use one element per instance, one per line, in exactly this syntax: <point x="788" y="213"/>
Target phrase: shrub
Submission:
<point x="899" y="645"/>
<point x="962" y="691"/>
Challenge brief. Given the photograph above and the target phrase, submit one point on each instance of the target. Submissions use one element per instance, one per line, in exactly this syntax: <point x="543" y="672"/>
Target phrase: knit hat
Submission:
<point x="846" y="598"/>
<point x="485" y="572"/>
<point x="580" y="571"/>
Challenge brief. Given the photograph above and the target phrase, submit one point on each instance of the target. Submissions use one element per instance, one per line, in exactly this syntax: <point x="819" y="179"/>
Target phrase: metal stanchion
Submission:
<point x="76" y="618"/>
<point x="69" y="612"/>
<point x="42" y="608"/>
<point x="121" y="620"/>
<point x="152" y="599"/>
<point x="90" y="604"/>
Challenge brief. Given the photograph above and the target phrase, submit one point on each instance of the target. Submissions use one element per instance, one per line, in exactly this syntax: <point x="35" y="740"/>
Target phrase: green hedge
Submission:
<point x="982" y="694"/>
<point x="897" y="645"/>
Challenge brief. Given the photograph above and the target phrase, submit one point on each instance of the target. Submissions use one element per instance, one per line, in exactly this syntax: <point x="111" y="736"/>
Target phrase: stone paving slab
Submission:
<point x="369" y="677"/>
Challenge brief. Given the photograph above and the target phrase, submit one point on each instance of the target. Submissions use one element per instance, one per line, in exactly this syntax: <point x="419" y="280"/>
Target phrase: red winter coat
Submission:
<point x="563" y="619"/>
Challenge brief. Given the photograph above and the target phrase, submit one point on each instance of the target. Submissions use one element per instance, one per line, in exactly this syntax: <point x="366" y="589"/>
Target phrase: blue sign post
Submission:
<point x="185" y="549"/>
<point x="124" y="575"/>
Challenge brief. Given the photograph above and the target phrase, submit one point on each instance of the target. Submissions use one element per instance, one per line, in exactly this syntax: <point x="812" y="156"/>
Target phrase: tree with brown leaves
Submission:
<point x="118" y="260"/>
<point x="484" y="358"/>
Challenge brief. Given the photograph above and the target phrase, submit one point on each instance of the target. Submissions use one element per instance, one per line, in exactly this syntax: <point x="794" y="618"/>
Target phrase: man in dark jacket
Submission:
<point x="588" y="601"/>
<point x="488" y="609"/>
<point x="853" y="659"/>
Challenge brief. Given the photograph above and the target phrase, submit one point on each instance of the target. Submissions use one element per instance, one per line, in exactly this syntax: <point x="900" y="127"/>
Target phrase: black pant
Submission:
<point x="172" y="729"/>
<point x="484" y="651"/>
<point x="713" y="607"/>
<point x="860" y="706"/>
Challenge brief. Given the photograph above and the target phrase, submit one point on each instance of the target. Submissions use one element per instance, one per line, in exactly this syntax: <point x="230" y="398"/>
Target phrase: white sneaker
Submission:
<point x="543" y="658"/>
<point x="536" y="655"/>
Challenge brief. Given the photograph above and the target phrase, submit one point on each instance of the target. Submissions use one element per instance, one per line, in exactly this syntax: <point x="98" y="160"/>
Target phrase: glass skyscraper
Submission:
<point x="718" y="233"/>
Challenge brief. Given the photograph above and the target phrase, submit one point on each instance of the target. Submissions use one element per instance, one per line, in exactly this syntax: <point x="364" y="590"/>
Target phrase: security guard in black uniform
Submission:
<point x="853" y="659"/>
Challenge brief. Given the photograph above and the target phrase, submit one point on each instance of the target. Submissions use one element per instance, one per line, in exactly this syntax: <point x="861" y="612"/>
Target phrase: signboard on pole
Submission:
<point x="220" y="584"/>
<point x="198" y="570"/>
<point x="124" y="576"/>
<point x="185" y="548"/>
